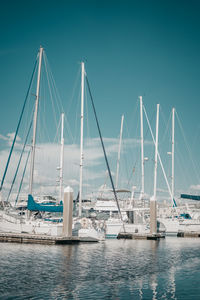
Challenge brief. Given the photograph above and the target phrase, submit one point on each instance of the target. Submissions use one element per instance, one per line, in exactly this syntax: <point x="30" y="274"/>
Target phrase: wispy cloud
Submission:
<point x="3" y="137"/>
<point x="11" y="136"/>
<point x="47" y="161"/>
<point x="9" y="139"/>
<point x="162" y="190"/>
<point x="195" y="187"/>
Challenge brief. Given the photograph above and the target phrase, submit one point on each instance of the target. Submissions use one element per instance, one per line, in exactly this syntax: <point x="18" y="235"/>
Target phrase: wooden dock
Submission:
<point x="138" y="236"/>
<point x="186" y="234"/>
<point x="43" y="239"/>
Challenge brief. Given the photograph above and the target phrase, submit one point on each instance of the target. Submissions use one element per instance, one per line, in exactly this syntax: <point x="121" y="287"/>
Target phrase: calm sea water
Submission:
<point x="114" y="269"/>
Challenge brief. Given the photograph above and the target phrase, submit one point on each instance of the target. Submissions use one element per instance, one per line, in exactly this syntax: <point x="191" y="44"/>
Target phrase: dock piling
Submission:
<point x="153" y="216"/>
<point x="67" y="212"/>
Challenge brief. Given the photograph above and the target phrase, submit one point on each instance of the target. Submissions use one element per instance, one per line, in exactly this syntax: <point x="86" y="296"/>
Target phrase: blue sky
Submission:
<point x="131" y="48"/>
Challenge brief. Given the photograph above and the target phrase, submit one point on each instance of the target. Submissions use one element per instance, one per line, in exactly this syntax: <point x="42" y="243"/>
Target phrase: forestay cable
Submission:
<point x="19" y="162"/>
<point x="13" y="143"/>
<point x="104" y="151"/>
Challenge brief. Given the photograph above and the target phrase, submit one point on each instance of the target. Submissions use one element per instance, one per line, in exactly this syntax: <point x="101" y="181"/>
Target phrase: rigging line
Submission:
<point x="41" y="116"/>
<point x="22" y="112"/>
<point x="73" y="89"/>
<point x="127" y="143"/>
<point x="19" y="162"/>
<point x="124" y="150"/>
<point x="104" y="151"/>
<point x="169" y="189"/>
<point x="58" y="127"/>
<point x="41" y="124"/>
<point x="125" y="162"/>
<point x="145" y="135"/>
<point x="166" y="124"/>
<point x="57" y="100"/>
<point x="29" y="111"/>
<point x="68" y="109"/>
<point x="132" y="152"/>
<point x="152" y="116"/>
<point x="50" y="90"/>
<point x="132" y="171"/>
<point x="137" y="154"/>
<point x="20" y="186"/>
<point x="129" y="175"/>
<point x="89" y="139"/>
<point x="55" y="90"/>
<point x="180" y="163"/>
<point x="87" y="117"/>
<point x="57" y="94"/>
<point x="68" y="129"/>
<point x="187" y="146"/>
<point x="76" y="129"/>
<point x="137" y="148"/>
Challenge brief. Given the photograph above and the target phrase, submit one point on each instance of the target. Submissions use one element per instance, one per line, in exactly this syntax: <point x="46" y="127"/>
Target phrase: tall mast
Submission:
<point x="142" y="146"/>
<point x="156" y="154"/>
<point x="119" y="151"/>
<point x="81" y="138"/>
<point x="173" y="123"/>
<point x="153" y="199"/>
<point x="61" y="157"/>
<point x="161" y="164"/>
<point x="35" y="121"/>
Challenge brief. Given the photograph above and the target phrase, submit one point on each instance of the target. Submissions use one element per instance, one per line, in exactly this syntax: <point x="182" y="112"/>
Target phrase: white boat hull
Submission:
<point x="15" y="224"/>
<point x="174" y="225"/>
<point x="114" y="227"/>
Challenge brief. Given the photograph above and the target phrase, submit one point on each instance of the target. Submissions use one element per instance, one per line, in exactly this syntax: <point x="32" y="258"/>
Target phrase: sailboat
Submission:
<point x="132" y="212"/>
<point x="10" y="220"/>
<point x="176" y="219"/>
<point x="134" y="208"/>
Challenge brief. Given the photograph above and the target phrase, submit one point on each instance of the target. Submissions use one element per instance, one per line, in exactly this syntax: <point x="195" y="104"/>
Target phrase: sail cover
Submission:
<point x="33" y="206"/>
<point x="191" y="197"/>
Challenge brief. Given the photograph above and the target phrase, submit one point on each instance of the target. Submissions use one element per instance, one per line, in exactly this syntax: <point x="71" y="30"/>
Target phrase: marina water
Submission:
<point x="114" y="269"/>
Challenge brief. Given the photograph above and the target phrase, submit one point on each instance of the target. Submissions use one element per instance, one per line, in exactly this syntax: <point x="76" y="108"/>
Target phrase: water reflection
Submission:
<point x="115" y="269"/>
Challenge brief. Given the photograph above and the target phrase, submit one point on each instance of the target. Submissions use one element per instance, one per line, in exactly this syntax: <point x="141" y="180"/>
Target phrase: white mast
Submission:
<point x="81" y="138"/>
<point x="35" y="122"/>
<point x="156" y="154"/>
<point x="119" y="151"/>
<point x="142" y="147"/>
<point x="161" y="164"/>
<point x="153" y="200"/>
<point x="173" y="111"/>
<point x="61" y="157"/>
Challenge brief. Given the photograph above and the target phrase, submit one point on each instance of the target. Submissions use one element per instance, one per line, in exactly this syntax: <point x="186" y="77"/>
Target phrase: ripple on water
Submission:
<point x="114" y="269"/>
